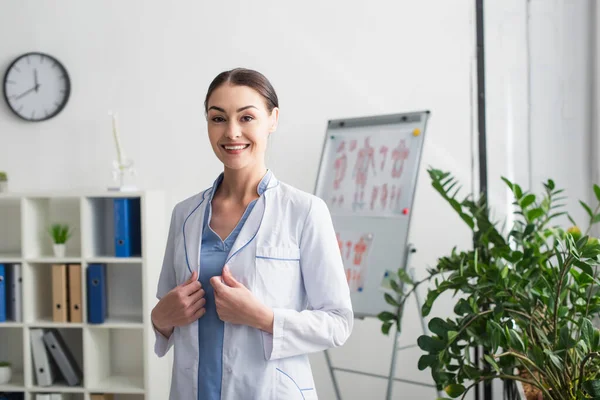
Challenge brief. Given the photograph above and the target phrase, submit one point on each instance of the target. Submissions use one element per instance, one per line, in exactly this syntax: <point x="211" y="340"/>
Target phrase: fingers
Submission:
<point x="191" y="287"/>
<point x="216" y="283"/>
<point x="192" y="278"/>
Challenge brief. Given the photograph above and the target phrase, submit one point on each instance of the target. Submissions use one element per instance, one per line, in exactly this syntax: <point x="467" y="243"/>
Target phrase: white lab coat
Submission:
<point x="288" y="256"/>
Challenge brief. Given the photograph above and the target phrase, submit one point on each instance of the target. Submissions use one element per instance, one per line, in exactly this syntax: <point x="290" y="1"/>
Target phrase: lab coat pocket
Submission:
<point x="277" y="274"/>
<point x="294" y="380"/>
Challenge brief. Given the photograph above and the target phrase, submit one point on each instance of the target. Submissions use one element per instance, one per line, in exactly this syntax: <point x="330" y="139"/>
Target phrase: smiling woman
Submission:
<point x="252" y="279"/>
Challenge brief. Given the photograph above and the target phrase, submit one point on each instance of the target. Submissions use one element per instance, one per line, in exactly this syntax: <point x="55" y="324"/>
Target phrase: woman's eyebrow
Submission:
<point x="238" y="110"/>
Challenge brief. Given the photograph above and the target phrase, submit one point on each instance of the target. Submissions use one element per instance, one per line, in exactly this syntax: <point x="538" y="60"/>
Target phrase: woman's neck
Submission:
<point x="241" y="185"/>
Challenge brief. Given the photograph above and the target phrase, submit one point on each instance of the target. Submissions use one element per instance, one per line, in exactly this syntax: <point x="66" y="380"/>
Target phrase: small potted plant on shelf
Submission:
<point x="60" y="234"/>
<point x="3" y="182"/>
<point x="5" y="372"/>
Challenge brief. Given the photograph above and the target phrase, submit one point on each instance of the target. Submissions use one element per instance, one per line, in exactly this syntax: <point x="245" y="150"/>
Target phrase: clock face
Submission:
<point x="36" y="87"/>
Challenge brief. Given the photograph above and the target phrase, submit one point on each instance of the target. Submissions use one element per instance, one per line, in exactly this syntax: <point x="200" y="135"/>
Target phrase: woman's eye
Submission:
<point x="247" y="118"/>
<point x="218" y="119"/>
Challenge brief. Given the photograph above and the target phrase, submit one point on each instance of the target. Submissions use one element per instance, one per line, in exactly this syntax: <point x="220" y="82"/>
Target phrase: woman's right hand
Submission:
<point x="181" y="306"/>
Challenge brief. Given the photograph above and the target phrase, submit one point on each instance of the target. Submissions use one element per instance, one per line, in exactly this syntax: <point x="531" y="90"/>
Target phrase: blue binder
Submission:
<point x="2" y="293"/>
<point x="96" y="293"/>
<point x="127" y="224"/>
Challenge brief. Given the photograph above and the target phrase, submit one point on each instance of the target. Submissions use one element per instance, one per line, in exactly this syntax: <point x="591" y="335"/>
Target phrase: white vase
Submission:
<point x="5" y="375"/>
<point x="59" y="249"/>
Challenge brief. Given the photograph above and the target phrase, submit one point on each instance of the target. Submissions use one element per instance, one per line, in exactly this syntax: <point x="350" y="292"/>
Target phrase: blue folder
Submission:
<point x="127" y="224"/>
<point x="96" y="293"/>
<point x="2" y="293"/>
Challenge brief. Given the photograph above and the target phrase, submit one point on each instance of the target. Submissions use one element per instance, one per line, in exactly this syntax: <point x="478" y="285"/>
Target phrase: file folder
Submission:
<point x="74" y="301"/>
<point x="2" y="293"/>
<point x="96" y="293"/>
<point x="45" y="372"/>
<point x="127" y="227"/>
<point x="13" y="293"/>
<point x="60" y="307"/>
<point x="66" y="363"/>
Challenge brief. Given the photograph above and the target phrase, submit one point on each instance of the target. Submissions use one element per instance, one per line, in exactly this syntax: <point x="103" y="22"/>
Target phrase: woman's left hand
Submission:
<point x="236" y="304"/>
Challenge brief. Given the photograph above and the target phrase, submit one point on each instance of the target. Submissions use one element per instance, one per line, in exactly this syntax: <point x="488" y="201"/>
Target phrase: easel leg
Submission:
<point x="335" y="384"/>
<point x="392" y="367"/>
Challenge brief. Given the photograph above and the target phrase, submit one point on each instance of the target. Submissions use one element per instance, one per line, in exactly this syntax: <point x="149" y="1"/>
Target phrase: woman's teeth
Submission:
<point x="236" y="147"/>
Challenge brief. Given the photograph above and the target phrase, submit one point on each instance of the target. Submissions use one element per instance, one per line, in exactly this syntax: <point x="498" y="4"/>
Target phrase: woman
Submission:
<point x="252" y="279"/>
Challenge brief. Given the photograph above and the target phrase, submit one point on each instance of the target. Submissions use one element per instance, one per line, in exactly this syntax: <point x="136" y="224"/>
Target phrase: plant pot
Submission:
<point x="3" y="186"/>
<point x="59" y="249"/>
<point x="5" y="375"/>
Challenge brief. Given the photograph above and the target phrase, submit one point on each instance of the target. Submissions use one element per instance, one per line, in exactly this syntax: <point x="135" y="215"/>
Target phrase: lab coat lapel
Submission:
<point x="250" y="228"/>
<point x="255" y="219"/>
<point x="192" y="232"/>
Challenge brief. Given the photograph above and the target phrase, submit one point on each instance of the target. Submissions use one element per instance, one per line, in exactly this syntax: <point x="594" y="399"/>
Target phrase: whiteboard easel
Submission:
<point x="367" y="176"/>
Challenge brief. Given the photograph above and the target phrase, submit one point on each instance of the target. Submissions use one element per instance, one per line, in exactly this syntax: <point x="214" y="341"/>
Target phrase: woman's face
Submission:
<point x="239" y="125"/>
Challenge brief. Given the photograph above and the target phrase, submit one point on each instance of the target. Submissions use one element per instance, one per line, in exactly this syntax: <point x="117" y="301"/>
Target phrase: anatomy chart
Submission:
<point x="370" y="174"/>
<point x="355" y="247"/>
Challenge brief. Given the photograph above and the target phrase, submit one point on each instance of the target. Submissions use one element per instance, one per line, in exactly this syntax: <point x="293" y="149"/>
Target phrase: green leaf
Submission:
<point x="426" y="360"/>
<point x="404" y="277"/>
<point x="454" y="390"/>
<point x="527" y="201"/>
<point x="592" y="388"/>
<point x="395" y="286"/>
<point x="385" y="328"/>
<point x="597" y="191"/>
<point x="386" y="316"/>
<point x="554" y="358"/>
<point x="515" y="341"/>
<point x="430" y="344"/>
<point x="439" y="327"/>
<point x="587" y="208"/>
<point x="493" y="363"/>
<point x="390" y="300"/>
<point x="534" y="214"/>
<point x="587" y="332"/>
<point x="451" y="336"/>
<point x="504" y="272"/>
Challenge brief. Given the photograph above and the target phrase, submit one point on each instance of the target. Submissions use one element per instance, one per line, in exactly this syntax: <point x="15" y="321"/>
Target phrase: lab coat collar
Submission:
<point x="192" y="226"/>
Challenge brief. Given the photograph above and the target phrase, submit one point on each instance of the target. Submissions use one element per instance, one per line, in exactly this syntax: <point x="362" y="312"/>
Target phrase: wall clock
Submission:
<point x="36" y="86"/>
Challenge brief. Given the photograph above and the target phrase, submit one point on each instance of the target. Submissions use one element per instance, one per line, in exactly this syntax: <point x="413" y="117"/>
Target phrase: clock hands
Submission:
<point x="35" y="79"/>
<point x="26" y="92"/>
<point x="36" y="87"/>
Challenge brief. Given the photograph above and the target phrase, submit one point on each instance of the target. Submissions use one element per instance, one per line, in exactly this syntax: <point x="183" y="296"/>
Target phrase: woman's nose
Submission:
<point x="233" y="131"/>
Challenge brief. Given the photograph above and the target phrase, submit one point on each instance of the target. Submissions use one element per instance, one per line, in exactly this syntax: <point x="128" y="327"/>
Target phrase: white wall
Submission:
<point x="152" y="62"/>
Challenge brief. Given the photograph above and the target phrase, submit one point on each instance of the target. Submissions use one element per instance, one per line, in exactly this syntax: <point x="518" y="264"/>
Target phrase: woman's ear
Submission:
<point x="274" y="120"/>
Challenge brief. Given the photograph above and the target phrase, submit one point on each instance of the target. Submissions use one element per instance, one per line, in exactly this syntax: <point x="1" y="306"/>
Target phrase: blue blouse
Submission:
<point x="213" y="255"/>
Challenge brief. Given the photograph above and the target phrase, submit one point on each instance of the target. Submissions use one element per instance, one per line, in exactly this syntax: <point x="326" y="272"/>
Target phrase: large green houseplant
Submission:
<point x="526" y="297"/>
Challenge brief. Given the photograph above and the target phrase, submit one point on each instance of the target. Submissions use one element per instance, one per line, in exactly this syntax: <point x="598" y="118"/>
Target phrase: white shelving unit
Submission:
<point x="117" y="356"/>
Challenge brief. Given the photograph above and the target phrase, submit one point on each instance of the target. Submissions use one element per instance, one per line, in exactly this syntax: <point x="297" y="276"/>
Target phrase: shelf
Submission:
<point x="99" y="214"/>
<point x="114" y="260"/>
<point x="16" y="384"/>
<point x="73" y="340"/>
<point x="119" y="384"/>
<point x="123" y="293"/>
<point x="48" y="323"/>
<point x="115" y="357"/>
<point x="39" y="307"/>
<point x="11" y="349"/>
<point x="58" y="388"/>
<point x="39" y="214"/>
<point x="115" y="361"/>
<point x="121" y="323"/>
<point x="9" y="324"/>
<point x="10" y="258"/>
<point x="54" y="260"/>
<point x="10" y="234"/>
